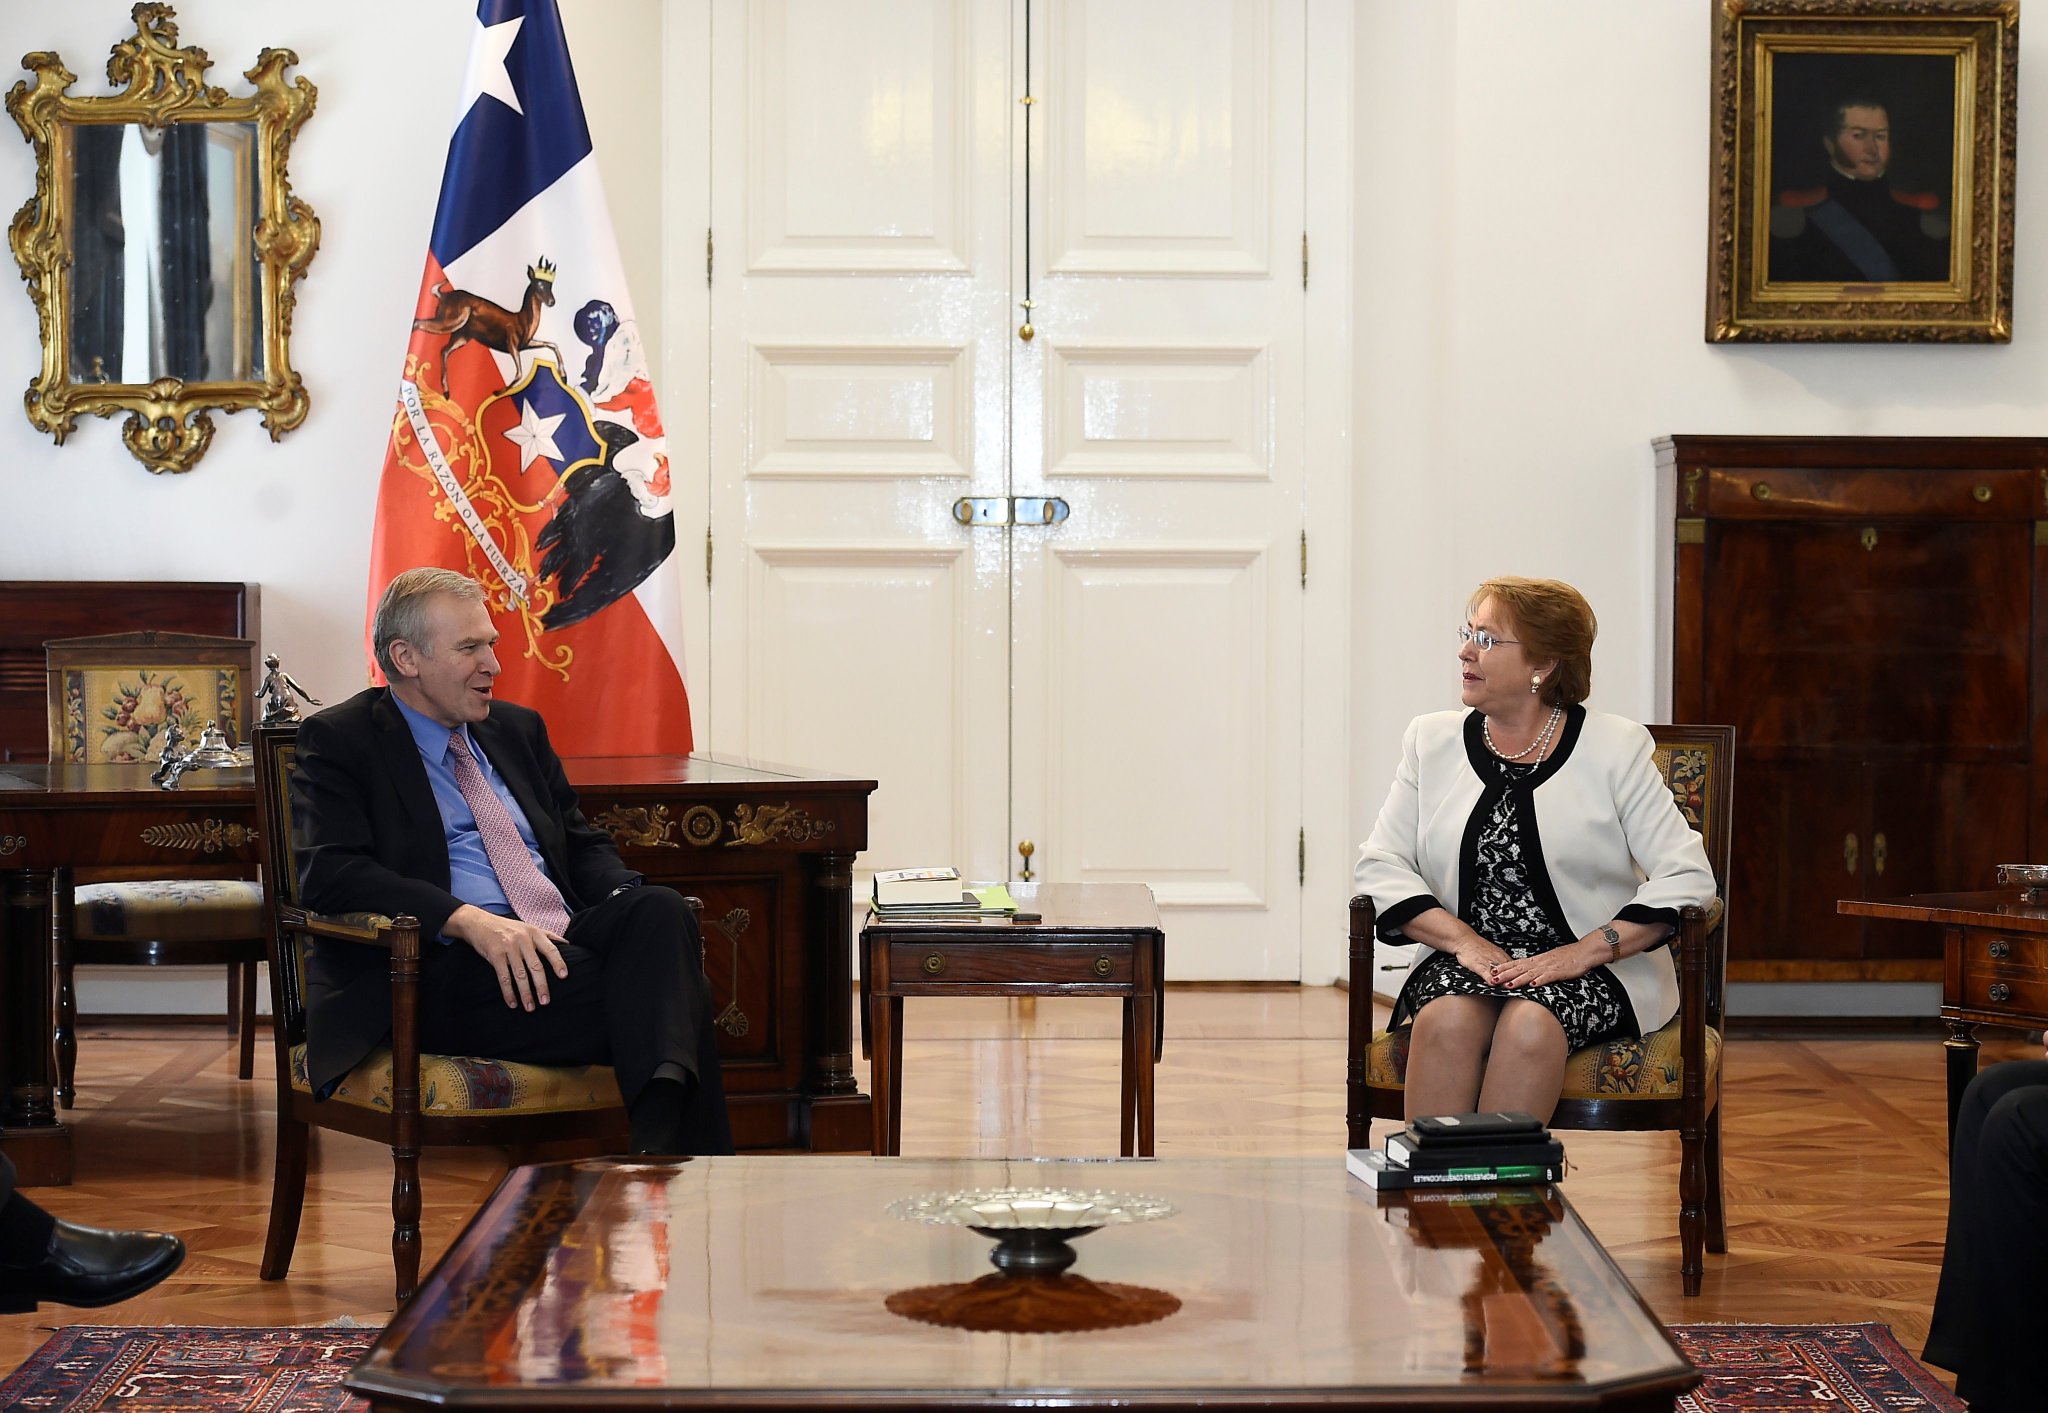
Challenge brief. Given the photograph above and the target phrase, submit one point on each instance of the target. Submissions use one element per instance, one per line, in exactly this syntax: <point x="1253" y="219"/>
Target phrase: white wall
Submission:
<point x="1528" y="233"/>
<point x="295" y="516"/>
<point x="1530" y="255"/>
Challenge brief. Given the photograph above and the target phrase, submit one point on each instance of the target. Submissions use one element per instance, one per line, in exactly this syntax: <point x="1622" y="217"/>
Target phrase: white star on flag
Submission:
<point x="535" y="436"/>
<point x="487" y="76"/>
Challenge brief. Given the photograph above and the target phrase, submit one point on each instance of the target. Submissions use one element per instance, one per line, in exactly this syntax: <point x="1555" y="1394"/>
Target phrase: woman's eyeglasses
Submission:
<point x="1481" y="639"/>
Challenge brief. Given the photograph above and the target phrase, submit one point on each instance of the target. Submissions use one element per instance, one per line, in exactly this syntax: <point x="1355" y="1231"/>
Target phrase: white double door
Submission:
<point x="1122" y="688"/>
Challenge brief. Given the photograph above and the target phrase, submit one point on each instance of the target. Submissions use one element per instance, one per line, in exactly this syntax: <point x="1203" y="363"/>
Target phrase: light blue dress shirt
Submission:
<point x="470" y="875"/>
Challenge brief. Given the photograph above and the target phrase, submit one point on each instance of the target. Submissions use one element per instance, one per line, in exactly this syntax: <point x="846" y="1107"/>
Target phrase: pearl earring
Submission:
<point x="1535" y="683"/>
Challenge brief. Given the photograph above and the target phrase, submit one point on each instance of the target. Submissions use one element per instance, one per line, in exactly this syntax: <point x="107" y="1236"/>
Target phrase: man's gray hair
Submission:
<point x="402" y="612"/>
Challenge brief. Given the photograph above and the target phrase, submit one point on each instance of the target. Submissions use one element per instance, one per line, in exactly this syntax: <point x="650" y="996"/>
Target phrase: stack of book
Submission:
<point x="1462" y="1150"/>
<point x="936" y="893"/>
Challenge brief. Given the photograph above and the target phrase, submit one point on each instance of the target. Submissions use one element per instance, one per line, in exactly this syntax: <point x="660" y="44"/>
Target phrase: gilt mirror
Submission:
<point x="163" y="242"/>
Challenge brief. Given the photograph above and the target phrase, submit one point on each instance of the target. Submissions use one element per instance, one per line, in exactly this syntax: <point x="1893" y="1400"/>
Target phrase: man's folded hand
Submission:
<point x="520" y="953"/>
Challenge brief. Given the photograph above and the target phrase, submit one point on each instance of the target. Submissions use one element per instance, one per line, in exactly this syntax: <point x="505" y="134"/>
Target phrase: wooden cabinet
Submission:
<point x="1871" y="613"/>
<point x="770" y="851"/>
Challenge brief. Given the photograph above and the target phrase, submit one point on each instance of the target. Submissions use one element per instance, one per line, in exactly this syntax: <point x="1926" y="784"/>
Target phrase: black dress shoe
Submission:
<point x="90" y="1266"/>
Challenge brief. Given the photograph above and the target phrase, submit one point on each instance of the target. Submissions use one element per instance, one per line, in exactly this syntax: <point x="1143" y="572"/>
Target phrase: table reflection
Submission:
<point x="1519" y="1319"/>
<point x="1033" y="1304"/>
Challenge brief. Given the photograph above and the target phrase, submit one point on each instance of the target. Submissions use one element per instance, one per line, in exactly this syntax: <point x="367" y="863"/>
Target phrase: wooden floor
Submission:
<point x="1836" y="1189"/>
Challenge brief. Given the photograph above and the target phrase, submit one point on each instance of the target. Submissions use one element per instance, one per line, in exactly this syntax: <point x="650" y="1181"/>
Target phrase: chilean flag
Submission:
<point x="527" y="450"/>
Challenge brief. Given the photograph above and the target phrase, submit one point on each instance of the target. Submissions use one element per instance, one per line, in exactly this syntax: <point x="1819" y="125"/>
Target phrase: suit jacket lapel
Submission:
<point x="425" y="837"/>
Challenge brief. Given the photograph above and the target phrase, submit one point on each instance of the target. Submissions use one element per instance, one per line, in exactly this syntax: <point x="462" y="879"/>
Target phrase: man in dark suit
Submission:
<point x="429" y="797"/>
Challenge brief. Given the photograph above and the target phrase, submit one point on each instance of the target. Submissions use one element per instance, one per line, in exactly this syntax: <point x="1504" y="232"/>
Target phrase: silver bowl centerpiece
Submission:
<point x="1031" y="1226"/>
<point x="2030" y="879"/>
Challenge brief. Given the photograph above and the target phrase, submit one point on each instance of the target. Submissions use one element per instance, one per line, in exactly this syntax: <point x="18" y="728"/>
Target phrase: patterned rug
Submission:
<point x="134" y="1368"/>
<point x="1838" y="1368"/>
<point x="1749" y="1369"/>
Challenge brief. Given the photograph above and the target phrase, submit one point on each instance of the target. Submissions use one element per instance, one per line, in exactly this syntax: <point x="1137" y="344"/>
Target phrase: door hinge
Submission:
<point x="707" y="556"/>
<point x="1304" y="259"/>
<point x="1304" y="559"/>
<point x="1301" y="857"/>
<point x="707" y="257"/>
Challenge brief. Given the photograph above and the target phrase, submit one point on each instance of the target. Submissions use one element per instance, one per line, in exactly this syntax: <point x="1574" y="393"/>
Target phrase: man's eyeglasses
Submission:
<point x="1481" y="639"/>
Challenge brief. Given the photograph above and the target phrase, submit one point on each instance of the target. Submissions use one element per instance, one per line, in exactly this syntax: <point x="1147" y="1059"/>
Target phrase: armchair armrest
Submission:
<point x="371" y="929"/>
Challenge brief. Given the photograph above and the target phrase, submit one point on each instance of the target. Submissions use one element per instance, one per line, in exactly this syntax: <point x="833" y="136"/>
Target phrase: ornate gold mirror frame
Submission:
<point x="115" y="287"/>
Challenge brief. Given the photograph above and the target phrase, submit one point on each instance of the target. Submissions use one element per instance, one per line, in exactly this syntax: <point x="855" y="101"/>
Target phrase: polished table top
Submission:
<point x="772" y="1280"/>
<point x="1990" y="907"/>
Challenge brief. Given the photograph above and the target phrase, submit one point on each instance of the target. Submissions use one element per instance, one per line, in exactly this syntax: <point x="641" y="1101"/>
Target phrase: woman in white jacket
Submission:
<point x="1534" y="849"/>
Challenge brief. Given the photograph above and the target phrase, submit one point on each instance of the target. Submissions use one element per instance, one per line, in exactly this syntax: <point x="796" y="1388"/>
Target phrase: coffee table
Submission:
<point x="1091" y="939"/>
<point x="767" y="1282"/>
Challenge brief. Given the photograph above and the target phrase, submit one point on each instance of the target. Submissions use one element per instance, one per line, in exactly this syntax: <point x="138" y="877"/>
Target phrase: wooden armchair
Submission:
<point x="115" y="698"/>
<point x="397" y="1096"/>
<point x="1669" y="1080"/>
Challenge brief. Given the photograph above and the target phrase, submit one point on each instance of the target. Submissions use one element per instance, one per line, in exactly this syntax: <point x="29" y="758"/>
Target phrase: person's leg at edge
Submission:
<point x="43" y="1258"/>
<point x="1984" y="1327"/>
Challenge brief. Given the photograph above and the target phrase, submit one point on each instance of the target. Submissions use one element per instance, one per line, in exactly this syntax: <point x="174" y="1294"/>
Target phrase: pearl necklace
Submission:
<point x="1537" y="745"/>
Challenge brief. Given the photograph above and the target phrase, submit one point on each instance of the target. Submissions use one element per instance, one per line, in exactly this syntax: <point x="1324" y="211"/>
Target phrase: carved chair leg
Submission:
<point x="247" y="1068"/>
<point x="287" y="1197"/>
<point x="405" y="1219"/>
<point x="67" y="1025"/>
<point x="1717" y="1214"/>
<point x="1692" y="1211"/>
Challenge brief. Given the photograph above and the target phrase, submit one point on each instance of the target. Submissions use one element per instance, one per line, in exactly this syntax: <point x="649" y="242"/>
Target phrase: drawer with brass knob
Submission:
<point x="2016" y="993"/>
<point x="955" y="966"/>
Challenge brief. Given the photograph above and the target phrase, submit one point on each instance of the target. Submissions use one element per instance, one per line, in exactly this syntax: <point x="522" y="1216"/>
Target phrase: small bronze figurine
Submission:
<point x="276" y="691"/>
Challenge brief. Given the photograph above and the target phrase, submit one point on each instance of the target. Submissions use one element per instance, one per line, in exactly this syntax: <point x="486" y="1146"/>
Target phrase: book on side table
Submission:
<point x="918" y="887"/>
<point x="936" y="894"/>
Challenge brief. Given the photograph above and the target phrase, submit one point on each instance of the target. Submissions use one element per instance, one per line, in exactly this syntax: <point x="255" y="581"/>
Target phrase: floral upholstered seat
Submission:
<point x="467" y="1084"/>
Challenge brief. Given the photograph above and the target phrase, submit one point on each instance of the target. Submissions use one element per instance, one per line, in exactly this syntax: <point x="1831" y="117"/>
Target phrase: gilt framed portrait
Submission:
<point x="1862" y="171"/>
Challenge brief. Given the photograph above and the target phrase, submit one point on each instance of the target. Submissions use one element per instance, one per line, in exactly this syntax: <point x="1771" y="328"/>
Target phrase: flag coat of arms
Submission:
<point x="527" y="450"/>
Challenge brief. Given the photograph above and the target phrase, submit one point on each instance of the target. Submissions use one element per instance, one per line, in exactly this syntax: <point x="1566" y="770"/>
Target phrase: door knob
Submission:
<point x="1038" y="510"/>
<point x="1027" y="849"/>
<point x="1010" y="510"/>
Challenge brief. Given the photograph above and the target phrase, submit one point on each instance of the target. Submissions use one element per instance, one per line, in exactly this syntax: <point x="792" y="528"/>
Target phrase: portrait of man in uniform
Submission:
<point x="1862" y="169"/>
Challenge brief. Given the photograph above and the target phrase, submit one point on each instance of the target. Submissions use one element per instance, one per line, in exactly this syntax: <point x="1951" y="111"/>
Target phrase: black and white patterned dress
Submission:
<point x="1501" y="905"/>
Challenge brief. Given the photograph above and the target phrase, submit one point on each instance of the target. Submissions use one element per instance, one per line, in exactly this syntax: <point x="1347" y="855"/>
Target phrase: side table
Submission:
<point x="1994" y="968"/>
<point x="1095" y="939"/>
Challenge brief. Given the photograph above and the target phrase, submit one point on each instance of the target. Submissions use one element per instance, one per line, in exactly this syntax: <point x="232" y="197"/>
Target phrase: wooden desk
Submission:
<point x="55" y="820"/>
<point x="759" y="1283"/>
<point x="1994" y="967"/>
<point x="1096" y="939"/>
<point x="770" y="851"/>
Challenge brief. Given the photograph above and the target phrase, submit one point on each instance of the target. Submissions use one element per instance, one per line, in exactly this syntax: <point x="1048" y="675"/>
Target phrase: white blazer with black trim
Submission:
<point x="1610" y="841"/>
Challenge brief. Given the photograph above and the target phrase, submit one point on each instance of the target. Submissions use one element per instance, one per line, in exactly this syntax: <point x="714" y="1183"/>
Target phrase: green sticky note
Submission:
<point x="995" y="896"/>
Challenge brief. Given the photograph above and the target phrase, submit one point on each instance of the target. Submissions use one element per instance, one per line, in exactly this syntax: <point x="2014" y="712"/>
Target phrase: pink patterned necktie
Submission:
<point x="527" y="889"/>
